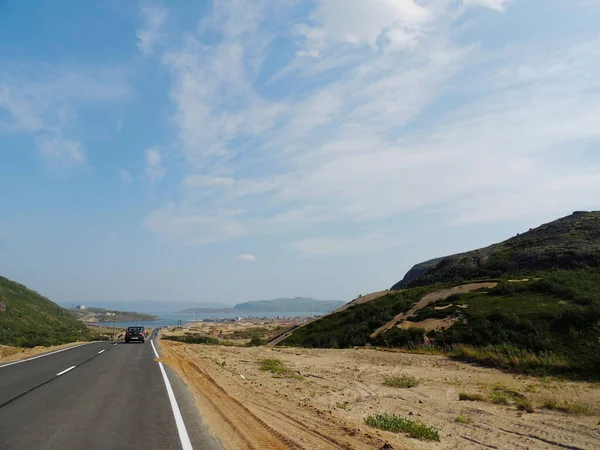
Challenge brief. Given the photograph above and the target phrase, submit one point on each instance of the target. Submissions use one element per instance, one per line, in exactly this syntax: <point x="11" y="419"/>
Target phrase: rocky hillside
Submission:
<point x="27" y="319"/>
<point x="572" y="242"/>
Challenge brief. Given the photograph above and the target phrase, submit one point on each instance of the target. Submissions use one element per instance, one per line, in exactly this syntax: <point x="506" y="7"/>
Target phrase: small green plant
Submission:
<point x="462" y="419"/>
<point x="566" y="407"/>
<point x="465" y="396"/>
<point x="256" y="341"/>
<point x="499" y="398"/>
<point x="345" y="406"/>
<point x="193" y="338"/>
<point x="397" y="424"/>
<point x="524" y="404"/>
<point x="401" y="381"/>
<point x="275" y="366"/>
<point x="531" y="388"/>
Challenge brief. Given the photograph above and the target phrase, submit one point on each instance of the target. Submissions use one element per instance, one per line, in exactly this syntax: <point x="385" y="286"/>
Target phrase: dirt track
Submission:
<point x="324" y="404"/>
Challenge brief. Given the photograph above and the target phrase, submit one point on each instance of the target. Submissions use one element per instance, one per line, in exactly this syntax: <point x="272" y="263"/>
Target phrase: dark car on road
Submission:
<point x="135" y="334"/>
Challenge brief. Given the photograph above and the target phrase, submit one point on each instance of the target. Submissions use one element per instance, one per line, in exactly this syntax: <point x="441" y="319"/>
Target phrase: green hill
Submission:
<point x="572" y="242"/>
<point x="547" y="321"/>
<point x="27" y="319"/>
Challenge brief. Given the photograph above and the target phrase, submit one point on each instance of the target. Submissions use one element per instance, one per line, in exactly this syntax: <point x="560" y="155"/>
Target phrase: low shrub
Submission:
<point x="465" y="396"/>
<point x="462" y="419"/>
<point x="193" y="339"/>
<point x="401" y="381"/>
<point x="566" y="407"/>
<point x="397" y="424"/>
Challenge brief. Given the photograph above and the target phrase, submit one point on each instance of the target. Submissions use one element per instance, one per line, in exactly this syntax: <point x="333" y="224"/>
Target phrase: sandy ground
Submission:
<point x="10" y="354"/>
<point x="324" y="400"/>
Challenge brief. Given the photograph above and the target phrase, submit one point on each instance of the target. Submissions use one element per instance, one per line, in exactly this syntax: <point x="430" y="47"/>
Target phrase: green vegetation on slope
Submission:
<point x="352" y="327"/>
<point x="557" y="316"/>
<point x="27" y="319"/>
<point x="572" y="242"/>
<point x="549" y="325"/>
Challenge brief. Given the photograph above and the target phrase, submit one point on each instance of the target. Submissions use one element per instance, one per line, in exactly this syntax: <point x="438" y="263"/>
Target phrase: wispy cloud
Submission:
<point x="358" y="245"/>
<point x="154" y="18"/>
<point x="246" y="257"/>
<point x="384" y="112"/>
<point x="498" y="5"/>
<point x="154" y="167"/>
<point x="43" y="101"/>
<point x="125" y="176"/>
<point x="61" y="154"/>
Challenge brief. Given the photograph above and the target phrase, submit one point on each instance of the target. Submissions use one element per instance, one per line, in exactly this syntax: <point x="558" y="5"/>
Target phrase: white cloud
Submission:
<point x="193" y="226"/>
<point x="61" y="154"/>
<point x="357" y="22"/>
<point x="44" y="101"/>
<point x="358" y="245"/>
<point x="376" y="132"/>
<point x="154" y="167"/>
<point x="245" y="257"/>
<point x="125" y="176"/>
<point x="154" y="18"/>
<point x="498" y="5"/>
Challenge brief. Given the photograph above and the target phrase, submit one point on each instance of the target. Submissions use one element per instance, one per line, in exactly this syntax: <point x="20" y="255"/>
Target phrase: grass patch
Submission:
<point x="401" y="381"/>
<point x="466" y="396"/>
<point x="397" y="424"/>
<point x="566" y="407"/>
<point x="256" y="341"/>
<point x="345" y="406"/>
<point x="193" y="338"/>
<point x="524" y="404"/>
<point x="462" y="419"/>
<point x="499" y="398"/>
<point x="278" y="368"/>
<point x="512" y="358"/>
<point x="510" y="393"/>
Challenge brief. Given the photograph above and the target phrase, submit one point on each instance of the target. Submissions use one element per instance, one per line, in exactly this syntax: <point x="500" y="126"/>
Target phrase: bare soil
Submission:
<point x="321" y="403"/>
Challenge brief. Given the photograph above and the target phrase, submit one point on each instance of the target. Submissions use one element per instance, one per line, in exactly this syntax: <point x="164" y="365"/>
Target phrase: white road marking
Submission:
<point x="45" y="354"/>
<point x="154" y="348"/>
<point x="183" y="434"/>
<point x="101" y="351"/>
<point x="65" y="371"/>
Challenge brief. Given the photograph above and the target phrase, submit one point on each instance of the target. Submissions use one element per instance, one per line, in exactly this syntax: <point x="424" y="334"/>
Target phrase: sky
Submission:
<point x="235" y="150"/>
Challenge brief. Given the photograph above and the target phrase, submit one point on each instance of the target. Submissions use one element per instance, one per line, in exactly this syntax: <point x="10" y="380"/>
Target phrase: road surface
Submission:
<point x="101" y="395"/>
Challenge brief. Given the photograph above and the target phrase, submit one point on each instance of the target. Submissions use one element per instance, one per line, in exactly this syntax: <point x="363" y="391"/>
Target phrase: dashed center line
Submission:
<point x="101" y="351"/>
<point x="65" y="371"/>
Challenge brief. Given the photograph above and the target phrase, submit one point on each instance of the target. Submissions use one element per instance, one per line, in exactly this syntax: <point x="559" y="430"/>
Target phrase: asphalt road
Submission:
<point x="98" y="396"/>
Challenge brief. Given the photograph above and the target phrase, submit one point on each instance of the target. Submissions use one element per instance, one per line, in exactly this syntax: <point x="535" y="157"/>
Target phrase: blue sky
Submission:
<point x="247" y="149"/>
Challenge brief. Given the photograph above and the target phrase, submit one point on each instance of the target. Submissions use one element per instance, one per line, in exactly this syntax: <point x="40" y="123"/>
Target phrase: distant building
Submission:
<point x="80" y="307"/>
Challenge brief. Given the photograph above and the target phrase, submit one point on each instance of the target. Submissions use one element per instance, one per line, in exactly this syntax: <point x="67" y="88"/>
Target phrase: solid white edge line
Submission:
<point x="65" y="371"/>
<point x="154" y="348"/>
<point x="183" y="434"/>
<point x="101" y="351"/>
<point x="45" y="354"/>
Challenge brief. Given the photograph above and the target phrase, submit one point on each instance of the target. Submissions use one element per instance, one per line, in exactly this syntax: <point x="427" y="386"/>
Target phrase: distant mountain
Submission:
<point x="148" y="306"/>
<point x="297" y="304"/>
<point x="27" y="319"/>
<point x="572" y="242"/>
